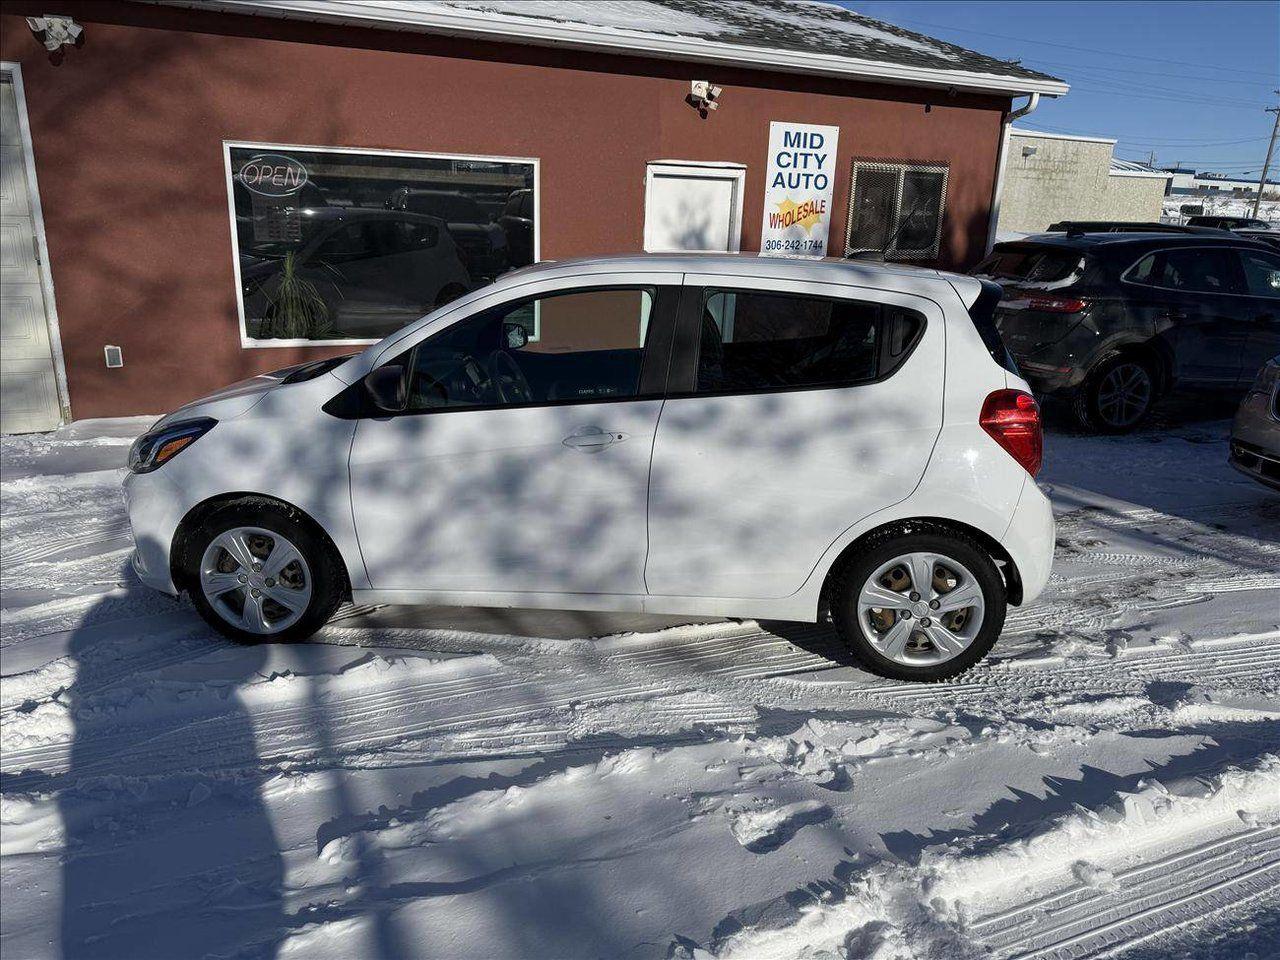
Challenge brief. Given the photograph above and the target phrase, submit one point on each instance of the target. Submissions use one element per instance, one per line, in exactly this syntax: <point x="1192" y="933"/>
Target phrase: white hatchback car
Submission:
<point x="719" y="435"/>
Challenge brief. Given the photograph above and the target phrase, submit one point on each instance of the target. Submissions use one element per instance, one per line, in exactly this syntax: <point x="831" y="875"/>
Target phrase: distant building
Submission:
<point x="1185" y="182"/>
<point x="1059" y="176"/>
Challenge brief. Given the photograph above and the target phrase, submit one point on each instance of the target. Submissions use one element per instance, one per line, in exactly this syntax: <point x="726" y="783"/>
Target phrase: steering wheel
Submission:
<point x="507" y="379"/>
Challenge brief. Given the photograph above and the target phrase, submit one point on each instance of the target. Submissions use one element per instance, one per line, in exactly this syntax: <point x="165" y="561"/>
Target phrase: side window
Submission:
<point x="753" y="341"/>
<point x="406" y="236"/>
<point x="1261" y="273"/>
<point x="1213" y="270"/>
<point x="351" y="241"/>
<point x="1147" y="271"/>
<point x="1198" y="270"/>
<point x="589" y="346"/>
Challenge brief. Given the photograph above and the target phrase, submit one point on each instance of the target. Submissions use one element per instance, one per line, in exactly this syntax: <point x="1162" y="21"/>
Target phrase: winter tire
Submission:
<point x="257" y="572"/>
<point x="1116" y="397"/>
<point x="921" y="606"/>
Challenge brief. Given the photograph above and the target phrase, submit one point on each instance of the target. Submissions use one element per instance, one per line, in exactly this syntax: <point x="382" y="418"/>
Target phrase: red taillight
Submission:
<point x="1012" y="418"/>
<point x="1057" y="304"/>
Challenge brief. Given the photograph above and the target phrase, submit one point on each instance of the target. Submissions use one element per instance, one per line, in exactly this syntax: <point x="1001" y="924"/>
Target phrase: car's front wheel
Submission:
<point x="257" y="572"/>
<point x="919" y="606"/>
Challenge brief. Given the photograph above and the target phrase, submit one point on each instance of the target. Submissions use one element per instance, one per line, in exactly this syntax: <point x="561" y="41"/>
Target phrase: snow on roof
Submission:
<point x="1132" y="168"/>
<point x="799" y="36"/>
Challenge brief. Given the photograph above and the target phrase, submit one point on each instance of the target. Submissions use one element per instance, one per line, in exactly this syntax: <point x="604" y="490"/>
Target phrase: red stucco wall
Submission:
<point x="128" y="130"/>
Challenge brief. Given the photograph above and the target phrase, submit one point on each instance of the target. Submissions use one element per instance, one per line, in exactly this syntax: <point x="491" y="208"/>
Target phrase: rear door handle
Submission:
<point x="592" y="439"/>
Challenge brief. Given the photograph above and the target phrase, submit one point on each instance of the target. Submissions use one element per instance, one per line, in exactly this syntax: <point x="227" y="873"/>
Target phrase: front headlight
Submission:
<point x="1267" y="378"/>
<point x="157" y="447"/>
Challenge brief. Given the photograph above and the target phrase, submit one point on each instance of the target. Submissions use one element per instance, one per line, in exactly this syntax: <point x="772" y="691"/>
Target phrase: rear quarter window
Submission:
<point x="1031" y="264"/>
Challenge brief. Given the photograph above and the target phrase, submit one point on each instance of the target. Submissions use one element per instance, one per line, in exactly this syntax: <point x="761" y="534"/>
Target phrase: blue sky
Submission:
<point x="1179" y="78"/>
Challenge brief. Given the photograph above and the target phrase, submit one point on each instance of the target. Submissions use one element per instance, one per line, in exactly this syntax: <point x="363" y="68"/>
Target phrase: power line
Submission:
<point x="1147" y="73"/>
<point x="1087" y="86"/>
<point x="1143" y="141"/>
<point x="1104" y="53"/>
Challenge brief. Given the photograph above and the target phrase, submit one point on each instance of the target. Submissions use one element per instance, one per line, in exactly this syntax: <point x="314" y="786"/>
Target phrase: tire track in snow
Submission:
<point x="1144" y="902"/>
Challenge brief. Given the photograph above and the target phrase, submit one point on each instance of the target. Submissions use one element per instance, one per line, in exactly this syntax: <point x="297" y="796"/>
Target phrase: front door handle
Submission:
<point x="592" y="439"/>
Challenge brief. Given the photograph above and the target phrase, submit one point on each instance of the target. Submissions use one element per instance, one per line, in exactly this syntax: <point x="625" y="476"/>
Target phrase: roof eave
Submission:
<point x="608" y="40"/>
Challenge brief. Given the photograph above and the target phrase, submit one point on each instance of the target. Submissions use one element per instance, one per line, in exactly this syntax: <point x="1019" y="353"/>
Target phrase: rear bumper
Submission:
<point x="1030" y="540"/>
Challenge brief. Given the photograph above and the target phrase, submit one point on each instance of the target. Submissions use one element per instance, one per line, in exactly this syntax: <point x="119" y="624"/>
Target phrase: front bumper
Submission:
<point x="1255" y="439"/>
<point x="155" y="510"/>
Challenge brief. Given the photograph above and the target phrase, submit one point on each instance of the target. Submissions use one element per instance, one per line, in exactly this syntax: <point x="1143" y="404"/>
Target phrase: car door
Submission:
<point x="520" y="461"/>
<point x="794" y="410"/>
<point x="1194" y="297"/>
<point x="1262" y="282"/>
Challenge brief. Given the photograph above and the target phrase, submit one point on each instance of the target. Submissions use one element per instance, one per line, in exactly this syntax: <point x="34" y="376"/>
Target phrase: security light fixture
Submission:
<point x="55" y="32"/>
<point x="704" y="96"/>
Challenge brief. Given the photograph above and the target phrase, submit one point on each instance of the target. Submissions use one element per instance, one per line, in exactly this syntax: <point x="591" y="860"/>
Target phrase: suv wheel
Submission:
<point x="1117" y="396"/>
<point x="920" y="606"/>
<point x="256" y="573"/>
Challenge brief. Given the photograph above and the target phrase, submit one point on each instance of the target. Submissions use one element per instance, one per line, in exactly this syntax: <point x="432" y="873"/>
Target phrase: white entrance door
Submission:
<point x="28" y="383"/>
<point x="693" y="206"/>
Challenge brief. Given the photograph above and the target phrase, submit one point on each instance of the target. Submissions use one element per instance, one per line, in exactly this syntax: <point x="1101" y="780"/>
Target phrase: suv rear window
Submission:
<point x="1030" y="264"/>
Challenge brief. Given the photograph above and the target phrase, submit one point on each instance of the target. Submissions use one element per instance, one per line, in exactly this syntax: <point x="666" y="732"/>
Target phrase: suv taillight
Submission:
<point x="1012" y="418"/>
<point x="1057" y="304"/>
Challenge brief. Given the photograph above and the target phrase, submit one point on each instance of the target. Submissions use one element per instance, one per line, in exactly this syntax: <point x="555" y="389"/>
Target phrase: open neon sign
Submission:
<point x="273" y="175"/>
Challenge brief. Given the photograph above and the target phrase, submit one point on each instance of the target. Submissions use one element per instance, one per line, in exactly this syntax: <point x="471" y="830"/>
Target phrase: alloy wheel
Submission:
<point x="1124" y="395"/>
<point x="255" y="579"/>
<point x="921" y="609"/>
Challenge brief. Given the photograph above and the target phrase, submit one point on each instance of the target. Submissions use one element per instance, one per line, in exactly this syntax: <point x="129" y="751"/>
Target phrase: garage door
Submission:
<point x="693" y="206"/>
<point x="28" y="384"/>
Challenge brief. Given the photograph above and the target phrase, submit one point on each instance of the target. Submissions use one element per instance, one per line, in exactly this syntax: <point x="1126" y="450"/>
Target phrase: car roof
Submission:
<point x="828" y="269"/>
<point x="1079" y="241"/>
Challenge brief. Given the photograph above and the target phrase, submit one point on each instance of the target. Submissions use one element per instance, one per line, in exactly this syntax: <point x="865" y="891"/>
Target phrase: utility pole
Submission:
<point x="1262" y="181"/>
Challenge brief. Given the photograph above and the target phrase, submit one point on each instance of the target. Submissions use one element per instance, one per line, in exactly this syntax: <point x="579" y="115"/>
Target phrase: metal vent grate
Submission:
<point x="896" y="209"/>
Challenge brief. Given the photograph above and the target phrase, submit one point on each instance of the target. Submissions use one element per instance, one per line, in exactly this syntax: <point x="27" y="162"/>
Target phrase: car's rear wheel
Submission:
<point x="1117" y="396"/>
<point x="257" y="572"/>
<point x="919" y="606"/>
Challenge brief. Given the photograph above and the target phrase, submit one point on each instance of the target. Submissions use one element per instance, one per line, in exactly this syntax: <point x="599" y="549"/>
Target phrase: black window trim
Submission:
<point x="1231" y="248"/>
<point x="682" y="378"/>
<point x="353" y="403"/>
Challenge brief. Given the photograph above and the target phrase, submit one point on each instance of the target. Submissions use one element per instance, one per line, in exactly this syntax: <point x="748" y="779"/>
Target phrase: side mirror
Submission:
<point x="514" y="335"/>
<point x="385" y="387"/>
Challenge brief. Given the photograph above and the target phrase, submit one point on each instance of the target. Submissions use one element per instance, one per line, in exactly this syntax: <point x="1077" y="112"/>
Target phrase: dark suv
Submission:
<point x="1110" y="321"/>
<point x="1228" y="223"/>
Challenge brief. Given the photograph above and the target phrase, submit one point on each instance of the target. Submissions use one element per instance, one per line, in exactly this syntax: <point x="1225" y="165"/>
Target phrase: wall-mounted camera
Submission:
<point x="56" y="32"/>
<point x="704" y="96"/>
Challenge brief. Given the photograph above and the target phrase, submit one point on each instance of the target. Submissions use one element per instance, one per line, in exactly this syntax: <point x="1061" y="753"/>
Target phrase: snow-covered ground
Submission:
<point x="1227" y="206"/>
<point x="1108" y="782"/>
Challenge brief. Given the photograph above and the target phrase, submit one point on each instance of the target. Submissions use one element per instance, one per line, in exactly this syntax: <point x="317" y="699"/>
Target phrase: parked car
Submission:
<point x="1227" y="223"/>
<point x="367" y="272"/>
<point x="716" y="435"/>
<point x="482" y="243"/>
<point x="1110" y="322"/>
<point x="1255" y="435"/>
<point x="517" y="223"/>
<point x="1269" y="237"/>
<point x="1123" y="226"/>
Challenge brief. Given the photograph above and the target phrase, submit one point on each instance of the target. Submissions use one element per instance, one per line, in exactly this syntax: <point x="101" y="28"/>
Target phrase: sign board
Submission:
<point x="797" y="189"/>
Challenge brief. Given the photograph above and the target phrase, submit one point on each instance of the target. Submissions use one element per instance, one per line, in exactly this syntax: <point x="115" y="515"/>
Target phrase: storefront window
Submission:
<point x="337" y="245"/>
